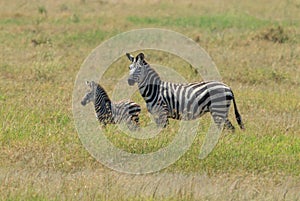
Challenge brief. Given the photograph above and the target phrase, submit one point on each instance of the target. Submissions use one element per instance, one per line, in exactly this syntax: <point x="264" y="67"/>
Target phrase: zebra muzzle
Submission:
<point x="131" y="82"/>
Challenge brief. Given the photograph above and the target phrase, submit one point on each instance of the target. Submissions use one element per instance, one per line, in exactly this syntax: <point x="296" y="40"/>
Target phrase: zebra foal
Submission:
<point x="181" y="101"/>
<point x="108" y="112"/>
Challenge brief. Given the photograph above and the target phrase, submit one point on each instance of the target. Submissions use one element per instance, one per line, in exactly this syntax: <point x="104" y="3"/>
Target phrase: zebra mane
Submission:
<point x="151" y="70"/>
<point x="101" y="91"/>
<point x="145" y="63"/>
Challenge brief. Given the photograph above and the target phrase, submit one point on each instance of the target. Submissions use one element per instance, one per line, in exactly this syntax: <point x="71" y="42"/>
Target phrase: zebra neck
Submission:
<point x="151" y="77"/>
<point x="150" y="84"/>
<point x="102" y="103"/>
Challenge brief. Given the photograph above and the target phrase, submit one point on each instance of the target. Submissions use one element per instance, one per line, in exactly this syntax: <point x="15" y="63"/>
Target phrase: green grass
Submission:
<point x="43" y="47"/>
<point x="215" y="22"/>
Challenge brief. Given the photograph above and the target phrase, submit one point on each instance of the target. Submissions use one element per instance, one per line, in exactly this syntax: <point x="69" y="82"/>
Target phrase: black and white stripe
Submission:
<point x="181" y="101"/>
<point x="108" y="112"/>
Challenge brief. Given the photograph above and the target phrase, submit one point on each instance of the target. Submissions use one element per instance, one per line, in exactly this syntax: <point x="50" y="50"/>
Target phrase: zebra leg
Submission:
<point x="219" y="111"/>
<point x="160" y="115"/>
<point x="162" y="121"/>
<point x="163" y="118"/>
<point x="133" y="123"/>
<point x="102" y="125"/>
<point x="219" y="120"/>
<point x="229" y="125"/>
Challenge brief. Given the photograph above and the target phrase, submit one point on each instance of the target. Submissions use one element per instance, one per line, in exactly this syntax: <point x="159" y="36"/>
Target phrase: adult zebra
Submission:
<point x="108" y="112"/>
<point x="181" y="101"/>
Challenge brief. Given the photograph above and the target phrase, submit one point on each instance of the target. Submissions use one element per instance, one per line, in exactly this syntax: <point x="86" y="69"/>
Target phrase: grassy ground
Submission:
<point x="256" y="47"/>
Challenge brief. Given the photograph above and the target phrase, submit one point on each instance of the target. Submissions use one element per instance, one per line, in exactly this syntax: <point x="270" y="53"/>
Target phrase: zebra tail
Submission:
<point x="237" y="114"/>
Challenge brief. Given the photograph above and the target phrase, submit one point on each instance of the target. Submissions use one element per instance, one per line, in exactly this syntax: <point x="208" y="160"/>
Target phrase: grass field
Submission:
<point x="256" y="47"/>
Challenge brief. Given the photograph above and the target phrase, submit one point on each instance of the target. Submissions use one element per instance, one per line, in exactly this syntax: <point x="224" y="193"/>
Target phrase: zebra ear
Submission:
<point x="130" y="57"/>
<point x="90" y="84"/>
<point x="140" y="57"/>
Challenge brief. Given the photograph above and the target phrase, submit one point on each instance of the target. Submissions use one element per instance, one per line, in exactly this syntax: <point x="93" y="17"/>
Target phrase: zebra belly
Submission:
<point x="120" y="112"/>
<point x="189" y="111"/>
